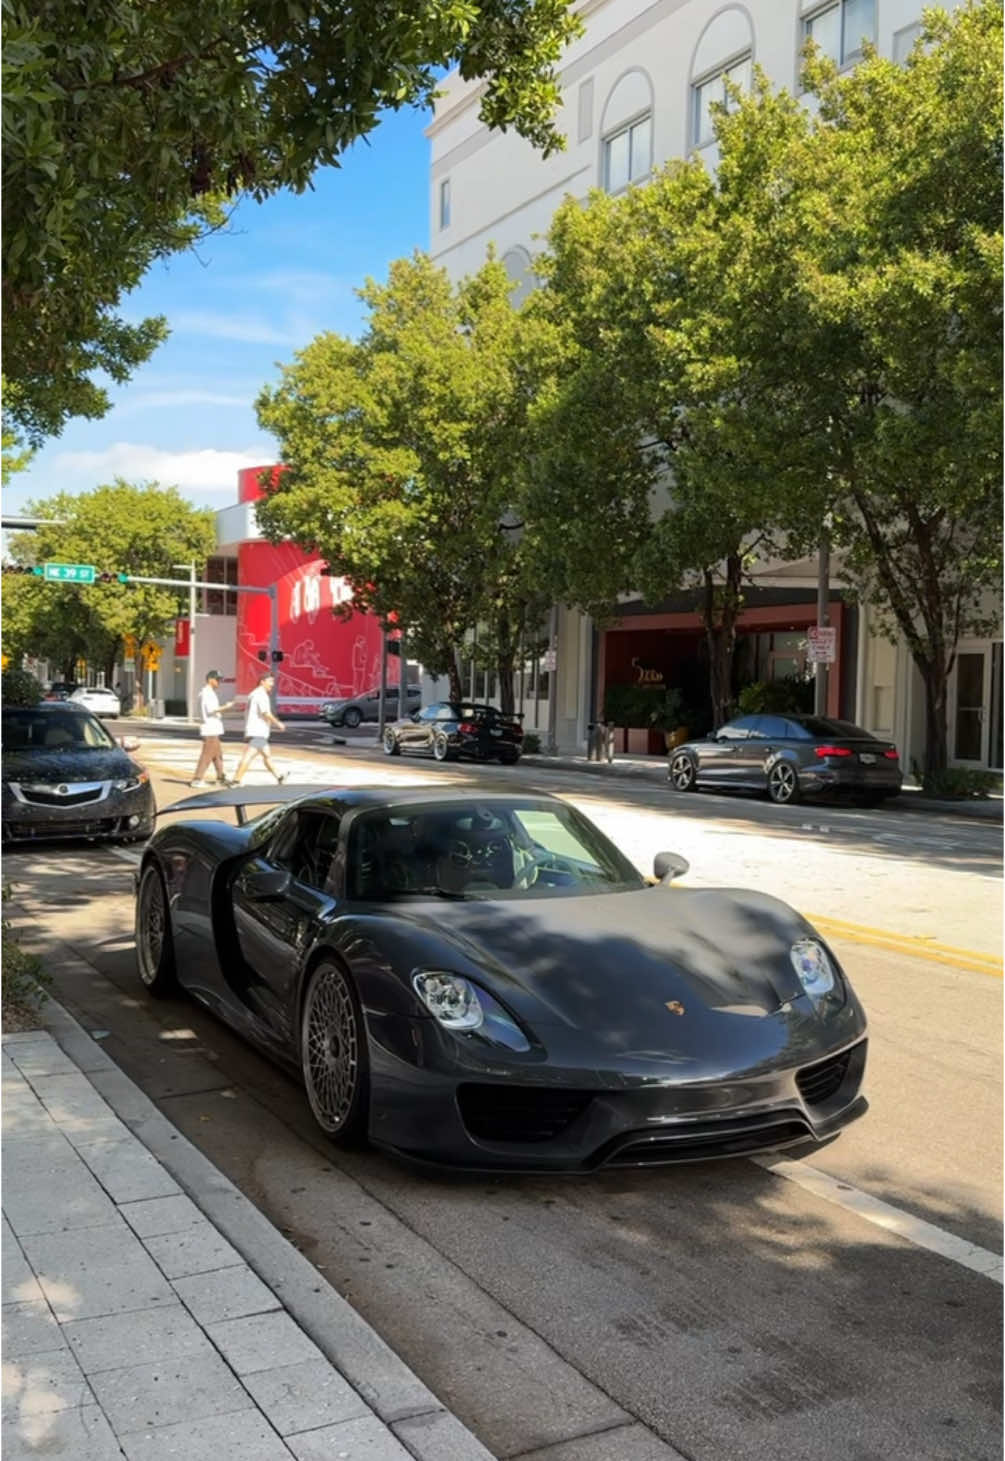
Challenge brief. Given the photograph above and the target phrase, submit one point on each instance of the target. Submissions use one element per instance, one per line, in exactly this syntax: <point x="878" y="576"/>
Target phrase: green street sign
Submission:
<point x="68" y="572"/>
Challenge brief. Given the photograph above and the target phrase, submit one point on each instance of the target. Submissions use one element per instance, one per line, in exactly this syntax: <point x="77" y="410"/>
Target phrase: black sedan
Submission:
<point x="790" y="757"/>
<point x="64" y="776"/>
<point x="488" y="982"/>
<point x="450" y="730"/>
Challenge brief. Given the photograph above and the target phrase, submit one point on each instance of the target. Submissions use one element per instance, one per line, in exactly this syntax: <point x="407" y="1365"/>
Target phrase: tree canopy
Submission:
<point x="126" y="127"/>
<point x="119" y="528"/>
<point x="408" y="457"/>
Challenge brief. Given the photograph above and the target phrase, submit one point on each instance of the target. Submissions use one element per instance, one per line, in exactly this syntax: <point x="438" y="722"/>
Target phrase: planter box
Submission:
<point x="638" y="742"/>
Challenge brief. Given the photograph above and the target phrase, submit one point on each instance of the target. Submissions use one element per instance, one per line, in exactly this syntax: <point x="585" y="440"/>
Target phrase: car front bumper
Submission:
<point x="568" y="1120"/>
<point x="111" y="814"/>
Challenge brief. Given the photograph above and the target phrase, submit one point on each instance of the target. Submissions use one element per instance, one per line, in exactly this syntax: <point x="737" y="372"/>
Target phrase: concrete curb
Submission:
<point x="427" y="1430"/>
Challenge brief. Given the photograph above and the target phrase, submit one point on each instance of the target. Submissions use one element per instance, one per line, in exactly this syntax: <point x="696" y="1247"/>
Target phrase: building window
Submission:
<point x="904" y="40"/>
<point x="445" y="203"/>
<point x="713" y="90"/>
<point x="628" y="154"/>
<point x="839" y="30"/>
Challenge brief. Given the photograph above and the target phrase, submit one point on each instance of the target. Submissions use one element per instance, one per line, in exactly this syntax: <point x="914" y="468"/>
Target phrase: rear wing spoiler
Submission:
<point x="242" y="797"/>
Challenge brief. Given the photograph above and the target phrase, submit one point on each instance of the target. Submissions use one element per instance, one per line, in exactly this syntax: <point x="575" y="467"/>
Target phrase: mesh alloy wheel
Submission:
<point x="682" y="776"/>
<point x="333" y="1054"/>
<point x="391" y="747"/>
<point x="154" y="948"/>
<point x="783" y="784"/>
<point x="441" y="749"/>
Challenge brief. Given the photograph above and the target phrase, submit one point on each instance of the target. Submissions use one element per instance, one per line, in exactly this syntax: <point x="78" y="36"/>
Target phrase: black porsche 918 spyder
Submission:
<point x="488" y="982"/>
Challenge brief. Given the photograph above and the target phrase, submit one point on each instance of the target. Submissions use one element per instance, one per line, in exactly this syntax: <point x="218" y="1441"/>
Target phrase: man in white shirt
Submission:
<point x="211" y="729"/>
<point x="257" y="725"/>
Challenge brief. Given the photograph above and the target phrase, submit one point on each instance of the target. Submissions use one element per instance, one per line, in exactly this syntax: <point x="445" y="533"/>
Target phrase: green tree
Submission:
<point x="408" y="455"/>
<point x="119" y="528"/>
<point x="127" y="126"/>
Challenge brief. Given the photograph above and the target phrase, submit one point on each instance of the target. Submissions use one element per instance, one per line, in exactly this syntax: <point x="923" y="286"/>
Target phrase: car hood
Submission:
<point x="640" y="973"/>
<point x="66" y="765"/>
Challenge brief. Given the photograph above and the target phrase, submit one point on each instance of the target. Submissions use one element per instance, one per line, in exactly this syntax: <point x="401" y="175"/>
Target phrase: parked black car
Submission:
<point x="449" y="730"/>
<point x="60" y="689"/>
<point x="487" y="981"/>
<point x="64" y="776"/>
<point x="352" y="712"/>
<point x="789" y="757"/>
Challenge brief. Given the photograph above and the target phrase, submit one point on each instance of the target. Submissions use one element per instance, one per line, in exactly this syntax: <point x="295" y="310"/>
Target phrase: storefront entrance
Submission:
<point x="975" y="720"/>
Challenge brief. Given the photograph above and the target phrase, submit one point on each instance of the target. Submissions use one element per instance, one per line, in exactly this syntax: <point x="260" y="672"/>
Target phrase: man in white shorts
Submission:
<point x="258" y="722"/>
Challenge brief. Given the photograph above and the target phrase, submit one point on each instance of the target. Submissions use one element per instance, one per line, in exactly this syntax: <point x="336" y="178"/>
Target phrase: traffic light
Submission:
<point x="277" y="655"/>
<point x="22" y="568"/>
<point x="112" y="578"/>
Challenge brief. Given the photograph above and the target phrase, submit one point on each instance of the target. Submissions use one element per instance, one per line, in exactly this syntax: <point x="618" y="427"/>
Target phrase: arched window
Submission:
<point x="516" y="262"/>
<point x="627" y="132"/>
<point x="724" y="53"/>
<point x="840" y="27"/>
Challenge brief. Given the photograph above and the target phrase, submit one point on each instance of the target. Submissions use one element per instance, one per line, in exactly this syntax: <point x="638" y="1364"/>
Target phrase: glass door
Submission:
<point x="969" y="719"/>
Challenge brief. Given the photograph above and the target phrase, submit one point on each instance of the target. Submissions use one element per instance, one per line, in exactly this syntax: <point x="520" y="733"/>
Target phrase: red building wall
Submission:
<point x="323" y="657"/>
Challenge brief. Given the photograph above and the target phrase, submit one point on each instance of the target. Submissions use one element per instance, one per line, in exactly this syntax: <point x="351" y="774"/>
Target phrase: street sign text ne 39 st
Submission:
<point x="68" y="572"/>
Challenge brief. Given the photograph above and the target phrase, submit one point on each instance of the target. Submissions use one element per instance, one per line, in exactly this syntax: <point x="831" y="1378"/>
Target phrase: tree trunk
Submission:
<point x="454" y="676"/>
<point x="721" y="609"/>
<point x="505" y="664"/>
<point x="69" y="667"/>
<point x="935" y="674"/>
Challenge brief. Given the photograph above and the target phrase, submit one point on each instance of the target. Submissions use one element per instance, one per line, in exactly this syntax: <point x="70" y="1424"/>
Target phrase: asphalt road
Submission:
<point x="728" y="1308"/>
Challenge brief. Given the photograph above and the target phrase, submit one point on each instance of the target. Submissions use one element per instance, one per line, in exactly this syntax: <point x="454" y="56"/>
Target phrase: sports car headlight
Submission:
<point x="132" y="783"/>
<point x="462" y="1006"/>
<point x="815" y="970"/>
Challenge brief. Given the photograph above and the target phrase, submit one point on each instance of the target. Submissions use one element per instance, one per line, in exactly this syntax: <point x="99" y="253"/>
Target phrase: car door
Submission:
<point x="766" y="736"/>
<point x="721" y="753"/>
<point x="417" y="734"/>
<point x="279" y="897"/>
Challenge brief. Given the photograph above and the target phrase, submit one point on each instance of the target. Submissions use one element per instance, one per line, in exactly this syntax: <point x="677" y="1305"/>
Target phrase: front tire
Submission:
<point x="682" y="775"/>
<point x="783" y="784"/>
<point x="333" y="1055"/>
<point x="352" y="717"/>
<point x="391" y="747"/>
<point x="154" y="944"/>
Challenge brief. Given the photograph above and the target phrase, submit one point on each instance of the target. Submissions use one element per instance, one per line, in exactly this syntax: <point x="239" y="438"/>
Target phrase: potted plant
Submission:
<point x="666" y="720"/>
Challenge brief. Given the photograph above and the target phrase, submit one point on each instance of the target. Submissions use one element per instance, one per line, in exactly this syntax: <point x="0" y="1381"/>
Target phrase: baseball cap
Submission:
<point x="213" y="675"/>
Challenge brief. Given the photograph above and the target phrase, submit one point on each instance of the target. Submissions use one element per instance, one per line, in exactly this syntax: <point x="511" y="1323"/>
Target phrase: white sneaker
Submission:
<point x="198" y="785"/>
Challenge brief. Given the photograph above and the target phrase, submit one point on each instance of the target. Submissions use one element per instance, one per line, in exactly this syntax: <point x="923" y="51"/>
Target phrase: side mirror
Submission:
<point x="669" y="865"/>
<point x="415" y="716"/>
<point x="129" y="743"/>
<point x="265" y="885"/>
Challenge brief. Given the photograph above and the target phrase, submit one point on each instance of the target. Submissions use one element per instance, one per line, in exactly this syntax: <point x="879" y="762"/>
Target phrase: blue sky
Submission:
<point x="245" y="300"/>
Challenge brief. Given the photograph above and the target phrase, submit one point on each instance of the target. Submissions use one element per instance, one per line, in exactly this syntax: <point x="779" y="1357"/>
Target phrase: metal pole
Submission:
<point x="552" y="744"/>
<point x="190" y="678"/>
<point x="402" y="677"/>
<point x="382" y="703"/>
<point x="823" y="601"/>
<point x="274" y="643"/>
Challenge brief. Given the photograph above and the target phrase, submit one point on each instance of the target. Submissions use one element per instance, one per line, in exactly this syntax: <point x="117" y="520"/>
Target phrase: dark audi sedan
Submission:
<point x="451" y="730"/>
<point x="790" y="757"/>
<point x="64" y="776"/>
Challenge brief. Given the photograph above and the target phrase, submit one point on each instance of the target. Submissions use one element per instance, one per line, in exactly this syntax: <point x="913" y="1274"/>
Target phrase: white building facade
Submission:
<point x="636" y="91"/>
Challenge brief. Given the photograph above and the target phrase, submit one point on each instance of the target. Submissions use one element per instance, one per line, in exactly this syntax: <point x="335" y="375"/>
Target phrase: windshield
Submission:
<point x="825" y="728"/>
<point x="485" y="850"/>
<point x="40" y="730"/>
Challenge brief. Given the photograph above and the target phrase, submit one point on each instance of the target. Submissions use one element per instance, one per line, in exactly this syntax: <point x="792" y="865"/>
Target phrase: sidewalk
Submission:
<point x="152" y="1312"/>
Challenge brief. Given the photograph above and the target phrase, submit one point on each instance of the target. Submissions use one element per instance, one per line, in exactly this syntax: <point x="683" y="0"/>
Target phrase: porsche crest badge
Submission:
<point x="675" y="1007"/>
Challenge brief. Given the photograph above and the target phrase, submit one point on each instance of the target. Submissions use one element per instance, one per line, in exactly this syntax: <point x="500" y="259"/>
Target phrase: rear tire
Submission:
<point x="783" y="784"/>
<point x="441" y="748"/>
<point x="154" y="944"/>
<point x="334" y="1059"/>
<point x="682" y="775"/>
<point x="352" y="717"/>
<point x="509" y="758"/>
<point x="391" y="747"/>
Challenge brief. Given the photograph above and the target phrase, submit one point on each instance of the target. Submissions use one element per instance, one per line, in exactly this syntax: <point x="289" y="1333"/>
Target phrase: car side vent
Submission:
<point x="817" y="1083"/>
<point x="519" y="1114"/>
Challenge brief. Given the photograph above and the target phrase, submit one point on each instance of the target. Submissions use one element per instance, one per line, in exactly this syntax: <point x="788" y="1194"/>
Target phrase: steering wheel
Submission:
<point x="460" y="853"/>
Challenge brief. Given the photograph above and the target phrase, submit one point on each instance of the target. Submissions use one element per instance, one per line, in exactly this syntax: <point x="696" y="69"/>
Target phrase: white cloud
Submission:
<point x="186" y="396"/>
<point x="248" y="329"/>
<point x="202" y="471"/>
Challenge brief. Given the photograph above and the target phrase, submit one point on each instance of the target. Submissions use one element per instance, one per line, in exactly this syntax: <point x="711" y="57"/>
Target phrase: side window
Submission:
<point x="431" y="712"/>
<point x="737" y="730"/>
<point x="774" y="728"/>
<point x="445" y="712"/>
<point x="796" y="732"/>
<point x="306" y="846"/>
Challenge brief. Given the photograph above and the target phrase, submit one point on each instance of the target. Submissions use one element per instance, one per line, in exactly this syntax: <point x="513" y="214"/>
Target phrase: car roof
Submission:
<point x="380" y="796"/>
<point x="51" y="707"/>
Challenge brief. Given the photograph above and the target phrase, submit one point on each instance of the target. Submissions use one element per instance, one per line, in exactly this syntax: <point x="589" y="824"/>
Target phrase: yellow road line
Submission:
<point x="918" y="946"/>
